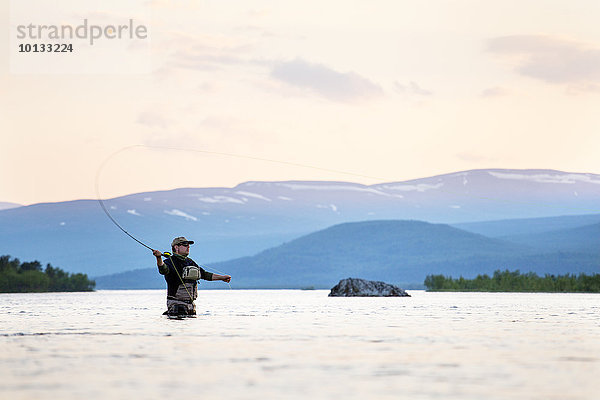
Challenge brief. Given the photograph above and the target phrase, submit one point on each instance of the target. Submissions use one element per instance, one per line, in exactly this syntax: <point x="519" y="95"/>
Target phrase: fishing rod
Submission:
<point x="120" y="227"/>
<point x="238" y="156"/>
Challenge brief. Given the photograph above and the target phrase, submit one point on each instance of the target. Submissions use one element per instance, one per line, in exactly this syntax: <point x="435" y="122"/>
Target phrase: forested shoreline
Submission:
<point x="18" y="277"/>
<point x="515" y="281"/>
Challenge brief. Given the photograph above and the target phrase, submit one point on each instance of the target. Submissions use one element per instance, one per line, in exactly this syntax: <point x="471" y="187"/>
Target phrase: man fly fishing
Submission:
<point x="182" y="275"/>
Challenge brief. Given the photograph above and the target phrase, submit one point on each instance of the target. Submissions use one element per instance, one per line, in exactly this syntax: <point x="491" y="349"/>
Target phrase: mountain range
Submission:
<point x="399" y="252"/>
<point x="243" y="221"/>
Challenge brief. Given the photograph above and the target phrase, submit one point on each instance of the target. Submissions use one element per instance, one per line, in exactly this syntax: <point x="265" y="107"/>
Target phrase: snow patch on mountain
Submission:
<point x="332" y="207"/>
<point x="464" y="175"/>
<point x="547" y="178"/>
<point x="253" y="195"/>
<point x="179" y="213"/>
<point x="220" y="199"/>
<point x="300" y="186"/>
<point x="421" y="187"/>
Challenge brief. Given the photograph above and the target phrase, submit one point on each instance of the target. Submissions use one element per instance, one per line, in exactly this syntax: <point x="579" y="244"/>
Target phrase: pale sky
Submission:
<point x="394" y="90"/>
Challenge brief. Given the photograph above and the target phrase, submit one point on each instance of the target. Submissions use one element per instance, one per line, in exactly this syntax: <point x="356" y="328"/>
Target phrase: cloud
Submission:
<point x="153" y="120"/>
<point x="206" y="52"/>
<point x="411" y="88"/>
<point x="550" y="59"/>
<point x="257" y="13"/>
<point x="494" y="92"/>
<point x="206" y="59"/>
<point x="253" y="30"/>
<point x="583" y="87"/>
<point x="207" y="87"/>
<point x="325" y="81"/>
<point x="220" y="53"/>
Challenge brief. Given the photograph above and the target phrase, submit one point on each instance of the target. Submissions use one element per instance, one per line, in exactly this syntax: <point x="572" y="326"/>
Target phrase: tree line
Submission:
<point x="507" y="281"/>
<point x="18" y="277"/>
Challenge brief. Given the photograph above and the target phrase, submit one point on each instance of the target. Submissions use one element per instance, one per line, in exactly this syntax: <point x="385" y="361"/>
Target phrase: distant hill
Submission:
<point x="584" y="239"/>
<point x="528" y="226"/>
<point x="229" y="223"/>
<point x="144" y="278"/>
<point x="391" y="251"/>
<point x="401" y="252"/>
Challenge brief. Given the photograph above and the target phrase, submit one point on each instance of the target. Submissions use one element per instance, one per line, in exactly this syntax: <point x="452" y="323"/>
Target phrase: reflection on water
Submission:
<point x="287" y="344"/>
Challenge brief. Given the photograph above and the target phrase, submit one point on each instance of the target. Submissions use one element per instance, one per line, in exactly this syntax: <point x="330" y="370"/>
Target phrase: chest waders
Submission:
<point x="182" y="308"/>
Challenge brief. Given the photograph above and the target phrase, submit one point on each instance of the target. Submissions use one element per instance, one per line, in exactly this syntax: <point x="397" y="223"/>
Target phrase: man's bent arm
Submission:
<point x="162" y="267"/>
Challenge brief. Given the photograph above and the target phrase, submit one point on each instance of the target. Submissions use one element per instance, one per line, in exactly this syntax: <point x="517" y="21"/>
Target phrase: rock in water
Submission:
<point x="362" y="287"/>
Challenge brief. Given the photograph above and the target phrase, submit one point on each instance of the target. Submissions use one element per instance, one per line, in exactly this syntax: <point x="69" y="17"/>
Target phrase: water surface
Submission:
<point x="292" y="344"/>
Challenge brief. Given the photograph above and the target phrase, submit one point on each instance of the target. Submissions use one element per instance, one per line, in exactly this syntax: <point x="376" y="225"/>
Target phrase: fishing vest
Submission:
<point x="183" y="268"/>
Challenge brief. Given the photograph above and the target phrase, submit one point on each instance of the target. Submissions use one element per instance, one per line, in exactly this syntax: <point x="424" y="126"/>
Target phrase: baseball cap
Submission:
<point x="181" y="240"/>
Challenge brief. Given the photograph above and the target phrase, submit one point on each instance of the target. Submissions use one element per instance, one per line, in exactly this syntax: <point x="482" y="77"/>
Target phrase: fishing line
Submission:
<point x="114" y="221"/>
<point x="240" y="156"/>
<point x="232" y="155"/>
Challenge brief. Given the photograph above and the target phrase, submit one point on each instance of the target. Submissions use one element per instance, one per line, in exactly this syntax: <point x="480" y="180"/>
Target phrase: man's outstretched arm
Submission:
<point x="225" y="278"/>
